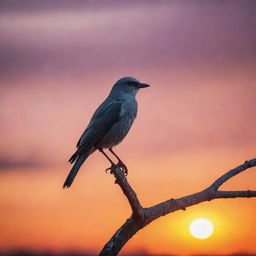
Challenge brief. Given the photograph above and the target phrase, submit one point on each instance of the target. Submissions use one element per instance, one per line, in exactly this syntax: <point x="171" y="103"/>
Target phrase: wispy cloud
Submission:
<point x="82" y="37"/>
<point x="7" y="163"/>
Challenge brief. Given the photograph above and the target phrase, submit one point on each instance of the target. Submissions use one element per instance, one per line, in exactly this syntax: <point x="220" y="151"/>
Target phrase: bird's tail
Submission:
<point x="73" y="172"/>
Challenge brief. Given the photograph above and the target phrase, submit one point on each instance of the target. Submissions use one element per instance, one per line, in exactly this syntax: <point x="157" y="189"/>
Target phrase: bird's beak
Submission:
<point x="141" y="85"/>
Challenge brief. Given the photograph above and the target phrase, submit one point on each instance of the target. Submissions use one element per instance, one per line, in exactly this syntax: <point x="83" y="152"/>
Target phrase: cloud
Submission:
<point x="7" y="163"/>
<point x="28" y="6"/>
<point x="83" y="37"/>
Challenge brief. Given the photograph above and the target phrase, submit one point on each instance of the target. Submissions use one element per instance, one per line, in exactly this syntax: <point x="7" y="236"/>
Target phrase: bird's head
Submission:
<point x="127" y="85"/>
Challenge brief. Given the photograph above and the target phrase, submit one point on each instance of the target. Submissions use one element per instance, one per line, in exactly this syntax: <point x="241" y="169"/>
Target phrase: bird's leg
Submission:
<point x="113" y="165"/>
<point x="120" y="163"/>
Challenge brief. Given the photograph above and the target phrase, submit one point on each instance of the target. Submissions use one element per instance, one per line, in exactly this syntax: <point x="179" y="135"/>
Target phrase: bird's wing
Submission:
<point x="107" y="114"/>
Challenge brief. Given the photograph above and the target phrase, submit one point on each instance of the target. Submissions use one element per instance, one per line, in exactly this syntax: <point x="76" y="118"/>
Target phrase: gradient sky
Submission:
<point x="58" y="61"/>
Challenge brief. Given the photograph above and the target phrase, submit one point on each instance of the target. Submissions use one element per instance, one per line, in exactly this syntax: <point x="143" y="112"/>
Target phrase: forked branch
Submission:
<point x="142" y="216"/>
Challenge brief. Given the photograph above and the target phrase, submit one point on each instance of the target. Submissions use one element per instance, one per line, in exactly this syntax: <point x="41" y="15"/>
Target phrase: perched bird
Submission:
<point x="108" y="126"/>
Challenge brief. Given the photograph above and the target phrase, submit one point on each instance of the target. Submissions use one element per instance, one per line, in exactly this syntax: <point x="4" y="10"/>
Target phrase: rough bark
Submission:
<point x="142" y="216"/>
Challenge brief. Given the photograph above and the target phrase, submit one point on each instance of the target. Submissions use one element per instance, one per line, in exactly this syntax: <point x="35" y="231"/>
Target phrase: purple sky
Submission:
<point x="58" y="61"/>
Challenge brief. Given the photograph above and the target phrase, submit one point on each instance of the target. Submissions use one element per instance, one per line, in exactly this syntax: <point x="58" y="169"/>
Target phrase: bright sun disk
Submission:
<point x="201" y="228"/>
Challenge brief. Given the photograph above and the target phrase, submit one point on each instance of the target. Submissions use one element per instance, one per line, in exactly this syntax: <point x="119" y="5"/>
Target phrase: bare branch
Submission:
<point x="122" y="235"/>
<point x="232" y="173"/>
<point x="235" y="194"/>
<point x="143" y="216"/>
<point x="128" y="191"/>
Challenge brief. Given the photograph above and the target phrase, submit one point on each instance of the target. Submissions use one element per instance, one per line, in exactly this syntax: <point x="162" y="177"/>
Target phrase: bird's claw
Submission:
<point x="119" y="165"/>
<point x="123" y="168"/>
<point x="110" y="169"/>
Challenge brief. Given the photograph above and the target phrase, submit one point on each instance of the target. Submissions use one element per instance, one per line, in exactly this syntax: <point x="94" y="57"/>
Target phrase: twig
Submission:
<point x="233" y="172"/>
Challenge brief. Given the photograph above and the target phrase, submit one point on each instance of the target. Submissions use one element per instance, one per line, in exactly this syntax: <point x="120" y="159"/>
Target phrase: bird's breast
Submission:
<point x="120" y="129"/>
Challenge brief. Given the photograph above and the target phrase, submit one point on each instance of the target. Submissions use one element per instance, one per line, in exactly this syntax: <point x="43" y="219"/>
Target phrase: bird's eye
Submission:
<point x="132" y="83"/>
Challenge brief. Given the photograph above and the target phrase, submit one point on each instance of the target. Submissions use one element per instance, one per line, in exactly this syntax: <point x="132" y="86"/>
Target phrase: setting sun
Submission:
<point x="201" y="228"/>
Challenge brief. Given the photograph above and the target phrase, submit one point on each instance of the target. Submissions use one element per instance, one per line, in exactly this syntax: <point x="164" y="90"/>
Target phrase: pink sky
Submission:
<point x="196" y="121"/>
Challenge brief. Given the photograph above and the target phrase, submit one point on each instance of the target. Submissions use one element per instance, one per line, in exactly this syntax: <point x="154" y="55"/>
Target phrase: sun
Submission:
<point x="201" y="228"/>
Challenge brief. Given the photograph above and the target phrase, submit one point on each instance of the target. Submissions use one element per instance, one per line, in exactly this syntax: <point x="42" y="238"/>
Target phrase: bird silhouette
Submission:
<point x="109" y="125"/>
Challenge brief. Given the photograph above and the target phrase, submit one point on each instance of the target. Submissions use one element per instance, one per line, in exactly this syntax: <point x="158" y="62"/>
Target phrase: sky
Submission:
<point x="58" y="62"/>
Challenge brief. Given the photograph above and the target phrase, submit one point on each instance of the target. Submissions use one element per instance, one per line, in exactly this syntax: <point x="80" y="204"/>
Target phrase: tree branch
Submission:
<point x="128" y="191"/>
<point x="142" y="216"/>
<point x="233" y="172"/>
<point x="235" y="194"/>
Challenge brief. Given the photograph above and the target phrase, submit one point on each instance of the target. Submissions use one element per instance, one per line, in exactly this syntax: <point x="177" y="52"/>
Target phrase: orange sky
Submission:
<point x="195" y="122"/>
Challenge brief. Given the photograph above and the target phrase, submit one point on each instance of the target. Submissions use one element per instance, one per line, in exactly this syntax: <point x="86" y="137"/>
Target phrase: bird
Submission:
<point x="108" y="126"/>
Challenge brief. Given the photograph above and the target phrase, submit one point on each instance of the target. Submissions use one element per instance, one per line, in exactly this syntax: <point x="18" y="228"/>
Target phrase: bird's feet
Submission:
<point x="119" y="165"/>
<point x="122" y="167"/>
<point x="111" y="168"/>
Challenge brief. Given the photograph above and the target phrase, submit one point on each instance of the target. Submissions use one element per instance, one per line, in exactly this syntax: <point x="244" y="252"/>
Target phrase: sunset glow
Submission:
<point x="59" y="60"/>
